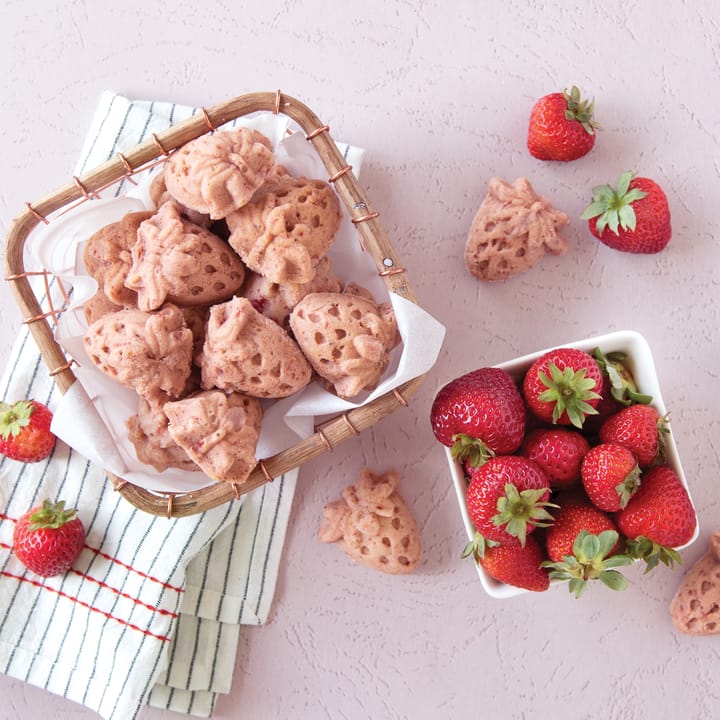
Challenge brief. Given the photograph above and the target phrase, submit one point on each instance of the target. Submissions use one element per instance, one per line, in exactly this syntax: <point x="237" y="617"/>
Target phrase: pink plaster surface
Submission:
<point x="439" y="93"/>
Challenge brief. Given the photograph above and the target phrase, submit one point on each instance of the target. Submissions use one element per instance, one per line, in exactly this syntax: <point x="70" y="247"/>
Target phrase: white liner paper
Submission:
<point x="91" y="416"/>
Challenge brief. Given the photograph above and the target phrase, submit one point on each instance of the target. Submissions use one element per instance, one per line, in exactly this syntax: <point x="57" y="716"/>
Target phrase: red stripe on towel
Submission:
<point x="115" y="560"/>
<point x="37" y="584"/>
<point x="104" y="555"/>
<point x="122" y="594"/>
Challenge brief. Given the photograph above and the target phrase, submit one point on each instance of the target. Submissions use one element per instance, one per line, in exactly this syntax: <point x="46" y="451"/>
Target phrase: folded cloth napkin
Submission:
<point x="151" y="610"/>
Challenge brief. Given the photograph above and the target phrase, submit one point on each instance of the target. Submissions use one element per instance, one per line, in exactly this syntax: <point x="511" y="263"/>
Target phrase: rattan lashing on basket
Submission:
<point x="123" y="166"/>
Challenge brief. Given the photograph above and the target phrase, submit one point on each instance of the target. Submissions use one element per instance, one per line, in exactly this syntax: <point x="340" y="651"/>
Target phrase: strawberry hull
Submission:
<point x="640" y="362"/>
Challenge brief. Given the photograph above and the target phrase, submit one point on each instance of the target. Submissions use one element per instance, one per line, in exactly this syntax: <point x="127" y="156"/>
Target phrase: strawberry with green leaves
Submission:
<point x="582" y="546"/>
<point x="507" y="498"/>
<point x="25" y="433"/>
<point x="561" y="127"/>
<point x="640" y="429"/>
<point x="618" y="389"/>
<point x="591" y="559"/>
<point x="658" y="518"/>
<point x="478" y="415"/>
<point x="610" y="475"/>
<point x="561" y="387"/>
<point x="48" y="539"/>
<point x="633" y="217"/>
<point x="574" y="515"/>
<point x="517" y="565"/>
<point x="558" y="451"/>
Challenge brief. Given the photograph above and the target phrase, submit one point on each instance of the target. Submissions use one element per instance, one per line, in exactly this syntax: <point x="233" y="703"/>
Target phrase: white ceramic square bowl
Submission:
<point x="639" y="361"/>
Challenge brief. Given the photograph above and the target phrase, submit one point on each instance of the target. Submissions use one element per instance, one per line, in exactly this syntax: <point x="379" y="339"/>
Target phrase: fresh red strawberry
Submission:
<point x="561" y="386"/>
<point x="558" y="451"/>
<point x="610" y="476"/>
<point x="48" y="539"/>
<point x="592" y="557"/>
<point x="25" y="433"/>
<point x="634" y="217"/>
<point x="571" y="519"/>
<point x="639" y="428"/>
<point x="507" y="498"/>
<point x="516" y="565"/>
<point x="618" y="389"/>
<point x="661" y="510"/>
<point x="479" y="414"/>
<point x="561" y="127"/>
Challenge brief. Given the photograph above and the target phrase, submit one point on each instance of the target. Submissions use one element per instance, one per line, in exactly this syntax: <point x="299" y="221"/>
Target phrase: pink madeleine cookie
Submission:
<point x="346" y="337"/>
<point x="97" y="306"/>
<point x="218" y="173"/>
<point x="248" y="353"/>
<point x="512" y="231"/>
<point x="177" y="261"/>
<point x="276" y="300"/>
<point x="159" y="195"/>
<point x="107" y="256"/>
<point x="286" y="228"/>
<point x="148" y="432"/>
<point x="695" y="609"/>
<point x="373" y="525"/>
<point x="218" y="431"/>
<point x="148" y="352"/>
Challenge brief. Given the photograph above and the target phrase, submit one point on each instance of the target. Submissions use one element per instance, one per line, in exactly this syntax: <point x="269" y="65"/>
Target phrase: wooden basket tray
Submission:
<point x="143" y="156"/>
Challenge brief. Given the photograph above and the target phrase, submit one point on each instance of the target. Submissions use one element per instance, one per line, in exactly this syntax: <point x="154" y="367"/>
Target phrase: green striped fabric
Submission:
<point x="151" y="611"/>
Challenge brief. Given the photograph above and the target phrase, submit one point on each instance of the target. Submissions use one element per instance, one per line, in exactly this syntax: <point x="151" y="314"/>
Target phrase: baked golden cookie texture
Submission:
<point x="148" y="352"/>
<point x="347" y="338"/>
<point x="107" y="256"/>
<point x="290" y="223"/>
<point x="218" y="173"/>
<point x="373" y="525"/>
<point x="512" y="231"/>
<point x="276" y="300"/>
<point x="695" y="608"/>
<point x="248" y="353"/>
<point x="176" y="261"/>
<point x="149" y="434"/>
<point x="218" y="431"/>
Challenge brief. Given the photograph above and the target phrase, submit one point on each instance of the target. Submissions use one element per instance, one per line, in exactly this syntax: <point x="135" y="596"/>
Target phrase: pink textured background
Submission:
<point x="439" y="94"/>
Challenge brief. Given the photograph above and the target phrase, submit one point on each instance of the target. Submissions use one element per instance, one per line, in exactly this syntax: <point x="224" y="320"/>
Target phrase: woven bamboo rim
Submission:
<point x="372" y="237"/>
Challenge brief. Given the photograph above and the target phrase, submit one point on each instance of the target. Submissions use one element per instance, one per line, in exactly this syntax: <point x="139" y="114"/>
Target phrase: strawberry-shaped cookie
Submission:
<point x="561" y="127"/>
<point x="639" y="428"/>
<point x="633" y="217"/>
<point x="659" y="517"/>
<point x="562" y="386"/>
<point x="507" y="498"/>
<point x="25" y="433"/>
<point x="478" y="415"/>
<point x="610" y="476"/>
<point x="48" y="539"/>
<point x="517" y="565"/>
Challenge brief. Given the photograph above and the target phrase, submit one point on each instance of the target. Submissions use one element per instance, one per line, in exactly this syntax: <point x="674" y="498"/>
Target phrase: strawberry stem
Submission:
<point x="51" y="516"/>
<point x="590" y="561"/>
<point x="613" y="206"/>
<point x="569" y="390"/>
<point x="518" y="509"/>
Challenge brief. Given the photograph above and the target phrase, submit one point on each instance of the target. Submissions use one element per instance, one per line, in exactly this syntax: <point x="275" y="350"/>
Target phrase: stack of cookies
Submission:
<point x="223" y="298"/>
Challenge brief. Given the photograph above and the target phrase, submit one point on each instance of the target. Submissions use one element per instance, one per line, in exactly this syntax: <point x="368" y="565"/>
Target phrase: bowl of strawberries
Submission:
<point x="565" y="466"/>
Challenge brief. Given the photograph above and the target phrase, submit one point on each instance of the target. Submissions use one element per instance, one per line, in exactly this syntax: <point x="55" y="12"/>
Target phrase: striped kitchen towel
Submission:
<point x="151" y="611"/>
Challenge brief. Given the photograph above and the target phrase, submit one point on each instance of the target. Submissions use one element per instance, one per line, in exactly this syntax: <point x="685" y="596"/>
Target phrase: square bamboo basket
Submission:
<point x="153" y="151"/>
